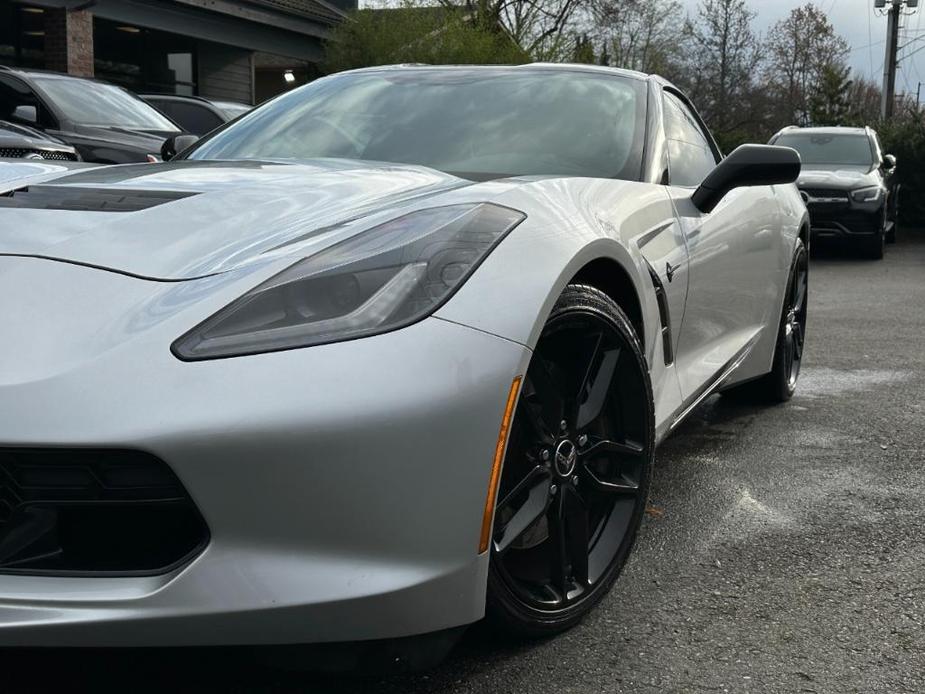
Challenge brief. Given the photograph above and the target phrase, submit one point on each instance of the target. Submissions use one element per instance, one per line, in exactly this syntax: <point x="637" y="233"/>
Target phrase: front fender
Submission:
<point x="569" y="224"/>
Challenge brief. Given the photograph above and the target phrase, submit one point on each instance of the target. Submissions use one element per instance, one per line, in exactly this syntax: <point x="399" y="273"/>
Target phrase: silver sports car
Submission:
<point x="391" y="352"/>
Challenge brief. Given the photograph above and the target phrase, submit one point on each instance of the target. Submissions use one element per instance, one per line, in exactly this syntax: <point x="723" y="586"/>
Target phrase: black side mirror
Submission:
<point x="175" y="144"/>
<point x="26" y="114"/>
<point x="889" y="162"/>
<point x="748" y="165"/>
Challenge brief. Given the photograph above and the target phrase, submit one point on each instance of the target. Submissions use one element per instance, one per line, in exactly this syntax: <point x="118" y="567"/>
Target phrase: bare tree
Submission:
<point x="802" y="49"/>
<point x="543" y="28"/>
<point x="638" y="34"/>
<point x="723" y="55"/>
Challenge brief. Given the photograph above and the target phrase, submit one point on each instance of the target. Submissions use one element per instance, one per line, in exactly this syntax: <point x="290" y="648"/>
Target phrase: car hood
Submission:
<point x="26" y="134"/>
<point x="145" y="141"/>
<point x="837" y="177"/>
<point x="189" y="219"/>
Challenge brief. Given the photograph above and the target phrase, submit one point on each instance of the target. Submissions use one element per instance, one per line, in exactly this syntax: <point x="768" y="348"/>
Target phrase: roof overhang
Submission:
<point x="233" y="23"/>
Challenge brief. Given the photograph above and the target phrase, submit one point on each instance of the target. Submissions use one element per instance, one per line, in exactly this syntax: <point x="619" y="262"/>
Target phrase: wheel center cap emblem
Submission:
<point x="566" y="458"/>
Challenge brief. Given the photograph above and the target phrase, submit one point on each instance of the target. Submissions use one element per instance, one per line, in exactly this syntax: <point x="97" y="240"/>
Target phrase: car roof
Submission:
<point x="177" y="97"/>
<point x="558" y="67"/>
<point x="50" y="74"/>
<point x="827" y="130"/>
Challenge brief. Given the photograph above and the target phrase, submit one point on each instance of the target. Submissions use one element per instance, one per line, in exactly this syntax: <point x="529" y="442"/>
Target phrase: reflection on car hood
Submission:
<point x="8" y="129"/>
<point x="837" y="178"/>
<point x="188" y="219"/>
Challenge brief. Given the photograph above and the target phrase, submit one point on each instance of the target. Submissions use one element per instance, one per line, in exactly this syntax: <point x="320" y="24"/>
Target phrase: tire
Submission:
<point x="576" y="474"/>
<point x="780" y="384"/>
<point x="873" y="247"/>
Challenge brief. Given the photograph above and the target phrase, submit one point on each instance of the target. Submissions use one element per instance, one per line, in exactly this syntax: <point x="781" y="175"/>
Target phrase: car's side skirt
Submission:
<point x="709" y="388"/>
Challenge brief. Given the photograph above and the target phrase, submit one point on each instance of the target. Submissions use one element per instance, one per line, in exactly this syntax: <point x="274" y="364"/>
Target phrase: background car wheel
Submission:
<point x="780" y="384"/>
<point x="576" y="474"/>
<point x="874" y="246"/>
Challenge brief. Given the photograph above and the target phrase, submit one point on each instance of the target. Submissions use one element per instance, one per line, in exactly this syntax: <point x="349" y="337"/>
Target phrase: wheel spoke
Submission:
<point x="800" y="296"/>
<point x="568" y="533"/>
<point x="596" y="384"/>
<point x="789" y="355"/>
<point x="536" y="486"/>
<point x="606" y="447"/>
<point x="544" y="406"/>
<point x="558" y="556"/>
<point x="576" y="534"/>
<point x="797" y="340"/>
<point x="623" y="485"/>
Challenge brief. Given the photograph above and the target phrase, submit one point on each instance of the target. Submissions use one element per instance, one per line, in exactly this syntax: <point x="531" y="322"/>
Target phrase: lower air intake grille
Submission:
<point x="94" y="512"/>
<point x="59" y="156"/>
<point x="20" y="153"/>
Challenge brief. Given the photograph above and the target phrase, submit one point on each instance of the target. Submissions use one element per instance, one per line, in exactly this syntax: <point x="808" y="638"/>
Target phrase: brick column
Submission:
<point x="69" y="41"/>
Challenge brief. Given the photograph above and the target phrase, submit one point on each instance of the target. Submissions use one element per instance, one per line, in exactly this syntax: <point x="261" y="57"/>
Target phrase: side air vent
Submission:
<point x="94" y="512"/>
<point x="80" y="198"/>
<point x="663" y="314"/>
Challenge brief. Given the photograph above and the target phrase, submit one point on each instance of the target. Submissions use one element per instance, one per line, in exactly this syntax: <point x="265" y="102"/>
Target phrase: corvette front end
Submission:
<point x="313" y="470"/>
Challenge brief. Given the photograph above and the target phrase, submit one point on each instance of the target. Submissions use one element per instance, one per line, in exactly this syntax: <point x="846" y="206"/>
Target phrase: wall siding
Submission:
<point x="226" y="72"/>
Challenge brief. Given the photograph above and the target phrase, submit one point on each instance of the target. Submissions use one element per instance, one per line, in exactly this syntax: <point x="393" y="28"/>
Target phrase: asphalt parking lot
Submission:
<point x="783" y="551"/>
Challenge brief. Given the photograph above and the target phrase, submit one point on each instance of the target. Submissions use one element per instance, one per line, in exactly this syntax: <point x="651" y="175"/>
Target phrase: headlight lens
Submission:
<point x="871" y="194"/>
<point x="382" y="279"/>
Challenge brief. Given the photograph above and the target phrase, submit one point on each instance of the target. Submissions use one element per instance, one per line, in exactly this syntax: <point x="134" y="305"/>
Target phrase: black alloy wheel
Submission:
<point x="794" y="327"/>
<point x="576" y="474"/>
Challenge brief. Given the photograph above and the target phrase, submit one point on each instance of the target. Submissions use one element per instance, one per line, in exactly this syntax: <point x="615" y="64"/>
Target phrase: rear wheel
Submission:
<point x="873" y="247"/>
<point x="781" y="383"/>
<point x="576" y="473"/>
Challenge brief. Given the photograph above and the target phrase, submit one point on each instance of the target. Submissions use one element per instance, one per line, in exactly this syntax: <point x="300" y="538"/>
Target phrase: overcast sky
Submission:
<point x="861" y="25"/>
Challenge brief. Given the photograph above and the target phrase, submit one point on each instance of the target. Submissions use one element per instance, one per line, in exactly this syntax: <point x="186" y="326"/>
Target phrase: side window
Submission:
<point x="15" y="94"/>
<point x="191" y="117"/>
<point x="690" y="157"/>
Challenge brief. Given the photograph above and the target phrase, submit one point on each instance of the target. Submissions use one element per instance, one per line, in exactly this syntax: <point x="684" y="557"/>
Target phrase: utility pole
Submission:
<point x="888" y="96"/>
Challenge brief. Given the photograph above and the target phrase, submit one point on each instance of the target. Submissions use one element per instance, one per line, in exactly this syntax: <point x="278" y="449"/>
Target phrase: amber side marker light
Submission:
<point x="496" y="464"/>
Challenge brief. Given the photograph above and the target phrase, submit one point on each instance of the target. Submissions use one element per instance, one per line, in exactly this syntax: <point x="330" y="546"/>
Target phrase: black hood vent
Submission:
<point x="79" y="198"/>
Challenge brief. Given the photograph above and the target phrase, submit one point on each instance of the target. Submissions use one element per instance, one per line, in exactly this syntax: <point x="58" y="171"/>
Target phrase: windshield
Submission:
<point x="231" y="109"/>
<point x="476" y="123"/>
<point x="816" y="148"/>
<point x="96" y="103"/>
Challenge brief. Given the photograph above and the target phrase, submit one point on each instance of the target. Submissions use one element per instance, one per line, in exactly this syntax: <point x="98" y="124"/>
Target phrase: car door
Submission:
<point x="733" y="257"/>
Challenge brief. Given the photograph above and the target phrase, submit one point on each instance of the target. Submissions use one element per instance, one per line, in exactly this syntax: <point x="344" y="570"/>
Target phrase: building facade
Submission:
<point x="243" y="51"/>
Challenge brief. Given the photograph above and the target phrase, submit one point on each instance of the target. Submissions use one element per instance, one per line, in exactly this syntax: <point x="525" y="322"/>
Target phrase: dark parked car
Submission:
<point x="22" y="142"/>
<point x="195" y="114"/>
<point x="848" y="184"/>
<point x="105" y="123"/>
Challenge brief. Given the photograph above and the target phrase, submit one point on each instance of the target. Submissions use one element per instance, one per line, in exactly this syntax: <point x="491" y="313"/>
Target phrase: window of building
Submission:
<point x="22" y="35"/>
<point x="144" y="60"/>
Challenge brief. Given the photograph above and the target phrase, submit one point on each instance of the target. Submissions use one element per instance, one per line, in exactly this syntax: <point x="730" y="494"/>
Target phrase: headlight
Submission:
<point x="382" y="279"/>
<point x="871" y="194"/>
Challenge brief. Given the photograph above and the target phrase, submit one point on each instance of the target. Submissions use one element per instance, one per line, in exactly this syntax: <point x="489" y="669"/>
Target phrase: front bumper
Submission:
<point x="845" y="219"/>
<point x="343" y="485"/>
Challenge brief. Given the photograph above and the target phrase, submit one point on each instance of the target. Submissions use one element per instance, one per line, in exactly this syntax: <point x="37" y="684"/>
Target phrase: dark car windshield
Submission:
<point x="477" y="123"/>
<point x="817" y="148"/>
<point x="96" y="103"/>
